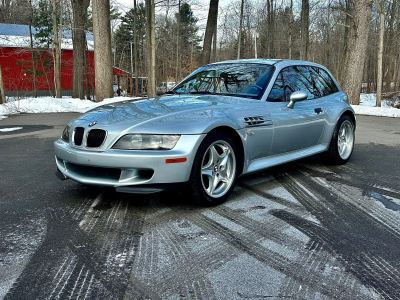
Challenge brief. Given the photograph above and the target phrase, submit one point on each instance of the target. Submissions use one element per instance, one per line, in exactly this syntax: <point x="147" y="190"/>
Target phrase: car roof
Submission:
<point x="281" y="62"/>
<point x="254" y="61"/>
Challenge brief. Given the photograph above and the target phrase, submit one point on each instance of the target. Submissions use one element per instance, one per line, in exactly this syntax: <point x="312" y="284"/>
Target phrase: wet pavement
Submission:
<point x="303" y="230"/>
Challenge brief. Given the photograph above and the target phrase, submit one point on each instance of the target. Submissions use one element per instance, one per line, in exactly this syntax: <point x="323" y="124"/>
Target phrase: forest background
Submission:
<point x="165" y="40"/>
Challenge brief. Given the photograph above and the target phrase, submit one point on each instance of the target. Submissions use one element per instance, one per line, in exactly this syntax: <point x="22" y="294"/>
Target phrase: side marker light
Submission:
<point x="175" y="160"/>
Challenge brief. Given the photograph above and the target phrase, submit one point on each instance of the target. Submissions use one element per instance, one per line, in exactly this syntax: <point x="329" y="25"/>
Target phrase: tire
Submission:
<point x="215" y="170"/>
<point x="342" y="142"/>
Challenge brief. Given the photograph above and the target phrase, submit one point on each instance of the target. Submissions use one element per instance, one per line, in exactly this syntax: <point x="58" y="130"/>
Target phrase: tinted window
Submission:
<point x="277" y="92"/>
<point x="324" y="84"/>
<point x="298" y="78"/>
<point x="242" y="80"/>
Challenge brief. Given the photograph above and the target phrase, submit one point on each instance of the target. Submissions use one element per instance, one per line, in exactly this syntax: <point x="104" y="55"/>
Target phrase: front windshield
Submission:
<point x="236" y="79"/>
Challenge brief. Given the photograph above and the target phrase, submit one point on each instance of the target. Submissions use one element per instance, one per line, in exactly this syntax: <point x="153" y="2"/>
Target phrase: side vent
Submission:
<point x="256" y="121"/>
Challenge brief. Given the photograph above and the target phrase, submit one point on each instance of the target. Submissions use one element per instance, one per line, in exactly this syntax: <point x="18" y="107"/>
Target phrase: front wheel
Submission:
<point x="214" y="170"/>
<point x="342" y="142"/>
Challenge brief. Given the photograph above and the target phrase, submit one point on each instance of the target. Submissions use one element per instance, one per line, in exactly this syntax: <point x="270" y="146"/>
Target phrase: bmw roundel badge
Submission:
<point x="92" y="123"/>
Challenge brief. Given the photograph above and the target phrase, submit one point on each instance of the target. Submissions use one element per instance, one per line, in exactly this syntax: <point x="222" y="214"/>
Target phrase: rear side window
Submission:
<point x="298" y="78"/>
<point x="324" y="84"/>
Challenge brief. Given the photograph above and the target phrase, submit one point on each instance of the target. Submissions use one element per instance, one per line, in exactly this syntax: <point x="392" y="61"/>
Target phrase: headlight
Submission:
<point x="146" y="142"/>
<point x="65" y="134"/>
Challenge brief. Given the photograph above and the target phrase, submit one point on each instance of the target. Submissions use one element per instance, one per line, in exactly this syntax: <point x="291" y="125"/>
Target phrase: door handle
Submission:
<point x="318" y="110"/>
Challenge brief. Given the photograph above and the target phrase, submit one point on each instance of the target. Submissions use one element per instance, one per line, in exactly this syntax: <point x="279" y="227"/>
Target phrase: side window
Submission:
<point x="328" y="79"/>
<point x="277" y="92"/>
<point x="298" y="78"/>
<point x="324" y="85"/>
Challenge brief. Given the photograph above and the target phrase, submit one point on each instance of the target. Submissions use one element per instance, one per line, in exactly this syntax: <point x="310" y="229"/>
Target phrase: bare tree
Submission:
<point x="79" y="8"/>
<point x="177" y="41"/>
<point x="151" y="48"/>
<point x="57" y="46"/>
<point x="271" y="29"/>
<point x="102" y="49"/>
<point x="305" y="24"/>
<point x="210" y="29"/>
<point x="135" y="44"/>
<point x="380" y="53"/>
<point x="290" y="29"/>
<point x="356" y="50"/>
<point x="2" y="95"/>
<point x="240" y="30"/>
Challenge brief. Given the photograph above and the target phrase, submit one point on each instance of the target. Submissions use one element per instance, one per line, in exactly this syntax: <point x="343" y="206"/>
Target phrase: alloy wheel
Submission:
<point x="218" y="169"/>
<point x="345" y="139"/>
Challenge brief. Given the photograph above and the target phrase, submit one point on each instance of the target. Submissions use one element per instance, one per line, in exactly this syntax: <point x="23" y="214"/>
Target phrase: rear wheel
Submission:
<point x="214" y="170"/>
<point x="342" y="142"/>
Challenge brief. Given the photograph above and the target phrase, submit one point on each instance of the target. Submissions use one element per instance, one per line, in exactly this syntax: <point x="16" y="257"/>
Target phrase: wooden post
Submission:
<point x="130" y="85"/>
<point x="118" y="90"/>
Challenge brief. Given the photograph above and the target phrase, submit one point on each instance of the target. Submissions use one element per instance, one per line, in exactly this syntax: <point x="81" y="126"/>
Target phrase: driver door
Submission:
<point x="302" y="126"/>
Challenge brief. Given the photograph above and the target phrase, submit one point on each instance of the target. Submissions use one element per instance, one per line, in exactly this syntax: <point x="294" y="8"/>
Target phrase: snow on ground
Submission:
<point x="367" y="107"/>
<point x="52" y="105"/>
<point x="10" y="129"/>
<point x="68" y="104"/>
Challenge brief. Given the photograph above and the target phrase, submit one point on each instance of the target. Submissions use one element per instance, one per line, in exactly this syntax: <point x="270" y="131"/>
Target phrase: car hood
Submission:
<point x="167" y="114"/>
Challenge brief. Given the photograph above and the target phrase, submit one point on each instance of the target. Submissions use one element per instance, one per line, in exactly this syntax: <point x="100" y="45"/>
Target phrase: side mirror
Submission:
<point x="295" y="97"/>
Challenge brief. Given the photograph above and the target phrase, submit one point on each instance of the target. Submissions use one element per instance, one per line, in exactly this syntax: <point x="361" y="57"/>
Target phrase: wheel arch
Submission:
<point x="351" y="115"/>
<point x="238" y="140"/>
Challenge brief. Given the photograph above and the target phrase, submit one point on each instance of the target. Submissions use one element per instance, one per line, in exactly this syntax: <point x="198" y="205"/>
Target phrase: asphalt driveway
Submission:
<point x="299" y="231"/>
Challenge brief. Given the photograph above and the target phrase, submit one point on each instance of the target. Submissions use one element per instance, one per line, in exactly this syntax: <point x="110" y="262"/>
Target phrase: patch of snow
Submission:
<point x="376" y="111"/>
<point x="52" y="105"/>
<point x="10" y="129"/>
<point x="370" y="100"/>
<point x="367" y="107"/>
<point x="2" y="117"/>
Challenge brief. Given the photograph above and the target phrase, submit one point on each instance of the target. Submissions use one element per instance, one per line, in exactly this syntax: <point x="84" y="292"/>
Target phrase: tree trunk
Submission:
<point x="305" y="23"/>
<point x="392" y="63"/>
<point x="57" y="46"/>
<point x="177" y="42"/>
<point x="328" y="41"/>
<point x="151" y="48"/>
<point x="79" y="9"/>
<point x="397" y="80"/>
<point x="255" y="45"/>
<point x="271" y="29"/>
<point x="346" y="39"/>
<point x="215" y="44"/>
<point x="240" y="30"/>
<point x="88" y="82"/>
<point x="135" y="43"/>
<point x="211" y="23"/>
<point x="2" y="95"/>
<point x="356" y="51"/>
<point x="102" y="49"/>
<point x="290" y="29"/>
<point x="32" y="53"/>
<point x="380" y="54"/>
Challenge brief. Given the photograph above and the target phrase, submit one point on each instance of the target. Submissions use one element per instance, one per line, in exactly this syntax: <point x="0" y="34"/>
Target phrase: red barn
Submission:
<point x="17" y="67"/>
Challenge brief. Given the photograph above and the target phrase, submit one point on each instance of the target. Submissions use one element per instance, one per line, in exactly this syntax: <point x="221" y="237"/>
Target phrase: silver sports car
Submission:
<point x="222" y="121"/>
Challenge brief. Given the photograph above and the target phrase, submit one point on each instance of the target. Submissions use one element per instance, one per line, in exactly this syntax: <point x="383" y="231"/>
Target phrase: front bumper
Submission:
<point x="128" y="170"/>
